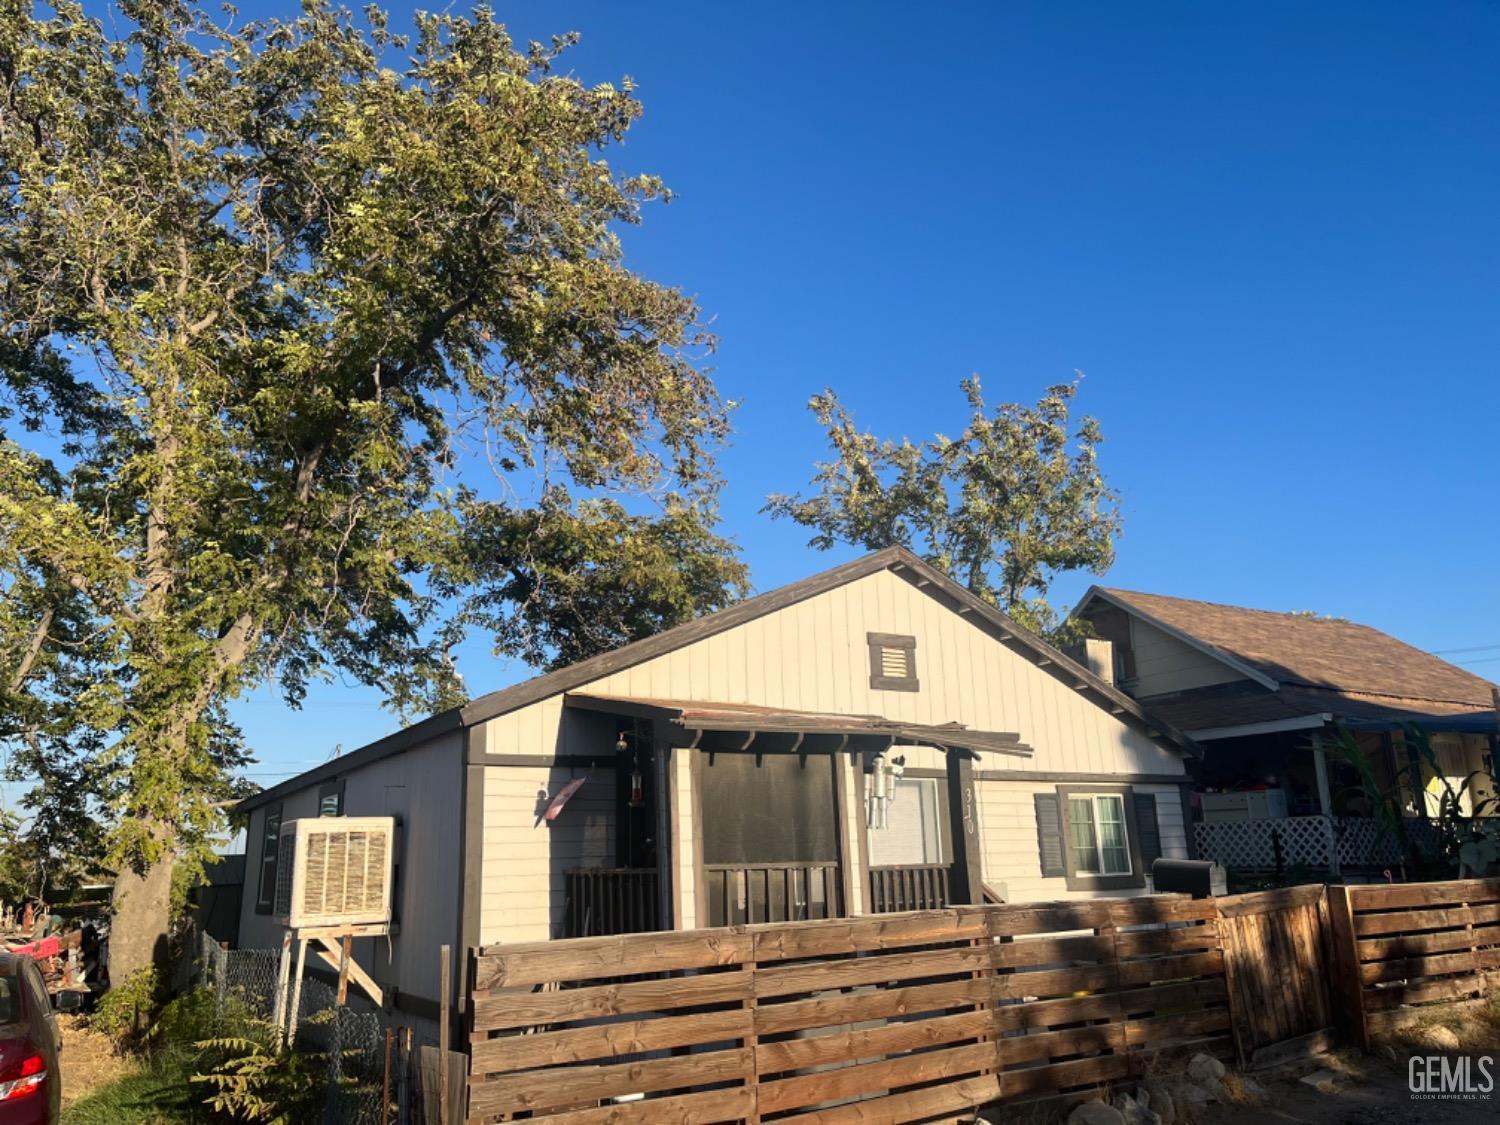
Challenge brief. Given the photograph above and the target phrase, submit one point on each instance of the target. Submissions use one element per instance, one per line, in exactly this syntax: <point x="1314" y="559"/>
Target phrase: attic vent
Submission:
<point x="893" y="662"/>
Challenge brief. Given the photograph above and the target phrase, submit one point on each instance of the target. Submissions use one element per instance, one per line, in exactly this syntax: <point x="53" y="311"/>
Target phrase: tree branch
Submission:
<point x="33" y="650"/>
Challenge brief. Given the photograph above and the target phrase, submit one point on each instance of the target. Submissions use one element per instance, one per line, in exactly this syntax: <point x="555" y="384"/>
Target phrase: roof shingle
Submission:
<point x="1315" y="652"/>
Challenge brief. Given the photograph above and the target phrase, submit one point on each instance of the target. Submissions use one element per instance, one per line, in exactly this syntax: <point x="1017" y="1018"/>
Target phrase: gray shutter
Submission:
<point x="1049" y="833"/>
<point x="1147" y="827"/>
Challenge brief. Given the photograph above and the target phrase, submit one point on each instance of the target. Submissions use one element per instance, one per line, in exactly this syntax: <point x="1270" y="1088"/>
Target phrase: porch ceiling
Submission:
<point x="690" y="720"/>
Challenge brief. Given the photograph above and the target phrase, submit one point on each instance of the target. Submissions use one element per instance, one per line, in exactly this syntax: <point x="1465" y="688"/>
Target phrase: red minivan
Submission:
<point x="30" y="1085"/>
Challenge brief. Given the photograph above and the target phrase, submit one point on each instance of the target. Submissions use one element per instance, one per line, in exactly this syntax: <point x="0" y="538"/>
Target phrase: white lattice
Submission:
<point x="1254" y="843"/>
<point x="1306" y="840"/>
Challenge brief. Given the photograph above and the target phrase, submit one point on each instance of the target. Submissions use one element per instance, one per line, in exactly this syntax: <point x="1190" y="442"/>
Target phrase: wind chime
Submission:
<point x="881" y="788"/>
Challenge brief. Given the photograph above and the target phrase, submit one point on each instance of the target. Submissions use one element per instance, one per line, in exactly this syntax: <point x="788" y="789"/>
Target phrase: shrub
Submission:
<point x="128" y="1008"/>
<point x="253" y="1081"/>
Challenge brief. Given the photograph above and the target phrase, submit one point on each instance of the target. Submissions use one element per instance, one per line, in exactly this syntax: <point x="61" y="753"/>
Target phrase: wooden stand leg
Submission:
<point x="344" y="970"/>
<point x="282" y="971"/>
<point x="291" y="1019"/>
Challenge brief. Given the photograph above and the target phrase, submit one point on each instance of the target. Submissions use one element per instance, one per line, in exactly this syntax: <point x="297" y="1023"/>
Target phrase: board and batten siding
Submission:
<point x="1007" y="827"/>
<point x="1165" y="664"/>
<point x="423" y="787"/>
<point x="811" y="656"/>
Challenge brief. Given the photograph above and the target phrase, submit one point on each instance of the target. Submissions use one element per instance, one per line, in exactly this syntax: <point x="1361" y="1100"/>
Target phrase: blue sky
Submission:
<point x="1266" y="233"/>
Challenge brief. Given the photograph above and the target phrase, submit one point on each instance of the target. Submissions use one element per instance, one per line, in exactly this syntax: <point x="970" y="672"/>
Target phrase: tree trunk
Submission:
<point x="142" y="915"/>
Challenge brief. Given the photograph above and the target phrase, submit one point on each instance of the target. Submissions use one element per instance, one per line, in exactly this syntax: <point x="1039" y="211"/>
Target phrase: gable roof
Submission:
<point x="1288" y="649"/>
<point x="896" y="559"/>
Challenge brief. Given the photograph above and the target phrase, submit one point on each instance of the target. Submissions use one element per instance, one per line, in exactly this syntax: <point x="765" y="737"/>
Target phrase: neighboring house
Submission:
<point x="744" y="767"/>
<point x="1253" y="687"/>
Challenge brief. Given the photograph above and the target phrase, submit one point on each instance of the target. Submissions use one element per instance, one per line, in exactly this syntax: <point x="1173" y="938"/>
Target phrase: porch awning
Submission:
<point x="689" y="721"/>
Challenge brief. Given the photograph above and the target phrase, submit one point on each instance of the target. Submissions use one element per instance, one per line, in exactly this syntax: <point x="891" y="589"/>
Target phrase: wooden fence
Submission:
<point x="1399" y="948"/>
<point x="894" y="1017"/>
<point x="901" y="1017"/>
<point x="1277" y="961"/>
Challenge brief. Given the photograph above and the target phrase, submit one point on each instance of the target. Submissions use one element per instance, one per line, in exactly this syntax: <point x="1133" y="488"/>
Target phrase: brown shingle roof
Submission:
<point x="1315" y="652"/>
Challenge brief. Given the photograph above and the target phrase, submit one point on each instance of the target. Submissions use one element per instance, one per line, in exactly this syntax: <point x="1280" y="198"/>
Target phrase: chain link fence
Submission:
<point x="377" y="1073"/>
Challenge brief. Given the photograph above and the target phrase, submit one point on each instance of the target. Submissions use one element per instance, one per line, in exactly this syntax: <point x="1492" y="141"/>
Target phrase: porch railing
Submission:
<point x="908" y="886"/>
<point x="603" y="901"/>
<point x="771" y="892"/>
<point x="1307" y="841"/>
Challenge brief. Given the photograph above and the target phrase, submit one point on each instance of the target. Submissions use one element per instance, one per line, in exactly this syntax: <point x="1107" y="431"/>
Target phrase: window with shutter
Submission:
<point x="1049" y="834"/>
<point x="893" y="662"/>
<point x="1102" y="837"/>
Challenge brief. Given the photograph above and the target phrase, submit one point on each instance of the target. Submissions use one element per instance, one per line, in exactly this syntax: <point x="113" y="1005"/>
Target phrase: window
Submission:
<point x="911" y="824"/>
<point x="331" y="798"/>
<point x="893" y="662"/>
<point x="1098" y="837"/>
<point x="1099" y="841"/>
<point x="270" y="842"/>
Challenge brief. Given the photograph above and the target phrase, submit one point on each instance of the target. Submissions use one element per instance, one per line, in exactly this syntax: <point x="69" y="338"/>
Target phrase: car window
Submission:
<point x="36" y="992"/>
<point x="10" y="1001"/>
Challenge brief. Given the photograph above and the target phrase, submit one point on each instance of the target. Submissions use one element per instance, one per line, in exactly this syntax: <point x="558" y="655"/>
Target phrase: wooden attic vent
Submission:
<point x="893" y="662"/>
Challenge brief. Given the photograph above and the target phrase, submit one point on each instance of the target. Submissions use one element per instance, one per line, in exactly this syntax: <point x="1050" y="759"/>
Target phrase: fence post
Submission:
<point x="221" y="978"/>
<point x="445" y="1032"/>
<point x="1347" y="985"/>
<point x="403" y="1079"/>
<point x="385" y="1083"/>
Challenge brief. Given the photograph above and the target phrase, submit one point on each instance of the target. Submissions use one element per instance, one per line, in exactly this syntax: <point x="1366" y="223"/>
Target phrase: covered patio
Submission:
<point x="732" y="813"/>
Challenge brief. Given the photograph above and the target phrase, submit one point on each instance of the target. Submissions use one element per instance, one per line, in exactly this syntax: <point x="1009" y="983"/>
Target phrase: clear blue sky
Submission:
<point x="1267" y="233"/>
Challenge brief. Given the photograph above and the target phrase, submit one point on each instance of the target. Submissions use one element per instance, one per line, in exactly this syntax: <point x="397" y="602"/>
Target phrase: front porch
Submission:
<point x="1281" y="800"/>
<point x="734" y="815"/>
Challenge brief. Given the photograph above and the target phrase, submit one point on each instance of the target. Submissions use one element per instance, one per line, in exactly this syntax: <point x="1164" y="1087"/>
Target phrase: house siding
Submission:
<point x="524" y="857"/>
<point x="1164" y="664"/>
<point x="810" y="656"/>
<point x="423" y="786"/>
<point x="1008" y="831"/>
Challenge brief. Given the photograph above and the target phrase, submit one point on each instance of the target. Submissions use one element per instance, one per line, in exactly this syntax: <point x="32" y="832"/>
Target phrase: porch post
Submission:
<point x="666" y="836"/>
<point x="1325" y="803"/>
<point x="967" y="884"/>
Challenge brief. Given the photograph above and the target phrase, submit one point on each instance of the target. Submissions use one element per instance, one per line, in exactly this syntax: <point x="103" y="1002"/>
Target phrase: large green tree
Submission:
<point x="1017" y="498"/>
<point x="271" y="296"/>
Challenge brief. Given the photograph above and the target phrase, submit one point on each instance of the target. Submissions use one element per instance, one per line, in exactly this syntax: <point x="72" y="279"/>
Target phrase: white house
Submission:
<point x="872" y="738"/>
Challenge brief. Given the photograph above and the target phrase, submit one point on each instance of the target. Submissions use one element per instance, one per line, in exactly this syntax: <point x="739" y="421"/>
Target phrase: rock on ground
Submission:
<point x="1096" y="1113"/>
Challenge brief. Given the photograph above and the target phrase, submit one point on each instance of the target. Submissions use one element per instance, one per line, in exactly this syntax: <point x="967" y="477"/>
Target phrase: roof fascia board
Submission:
<point x="638" y="652"/>
<point x="1270" y="726"/>
<point x="408" y="738"/>
<point x="1188" y="639"/>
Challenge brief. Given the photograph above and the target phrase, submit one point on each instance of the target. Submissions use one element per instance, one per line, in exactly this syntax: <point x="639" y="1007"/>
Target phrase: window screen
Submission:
<point x="1099" y="842"/>
<point x="911" y="825"/>
<point x="777" y="809"/>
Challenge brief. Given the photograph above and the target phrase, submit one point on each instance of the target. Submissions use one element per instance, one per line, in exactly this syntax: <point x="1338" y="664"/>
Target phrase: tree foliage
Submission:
<point x="1014" y="500"/>
<point x="265" y="289"/>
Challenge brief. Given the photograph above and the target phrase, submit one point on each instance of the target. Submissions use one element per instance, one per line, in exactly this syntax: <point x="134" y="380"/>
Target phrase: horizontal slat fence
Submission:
<point x="898" y="1017"/>
<point x="1405" y="946"/>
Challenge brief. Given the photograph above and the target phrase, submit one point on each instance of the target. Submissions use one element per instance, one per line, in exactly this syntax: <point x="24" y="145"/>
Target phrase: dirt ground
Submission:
<point x="88" y="1059"/>
<point x="1373" y="1089"/>
<point x="1370" y="1091"/>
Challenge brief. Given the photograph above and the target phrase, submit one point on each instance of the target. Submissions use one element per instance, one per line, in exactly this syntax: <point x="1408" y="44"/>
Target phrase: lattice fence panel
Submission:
<point x="1253" y="843"/>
